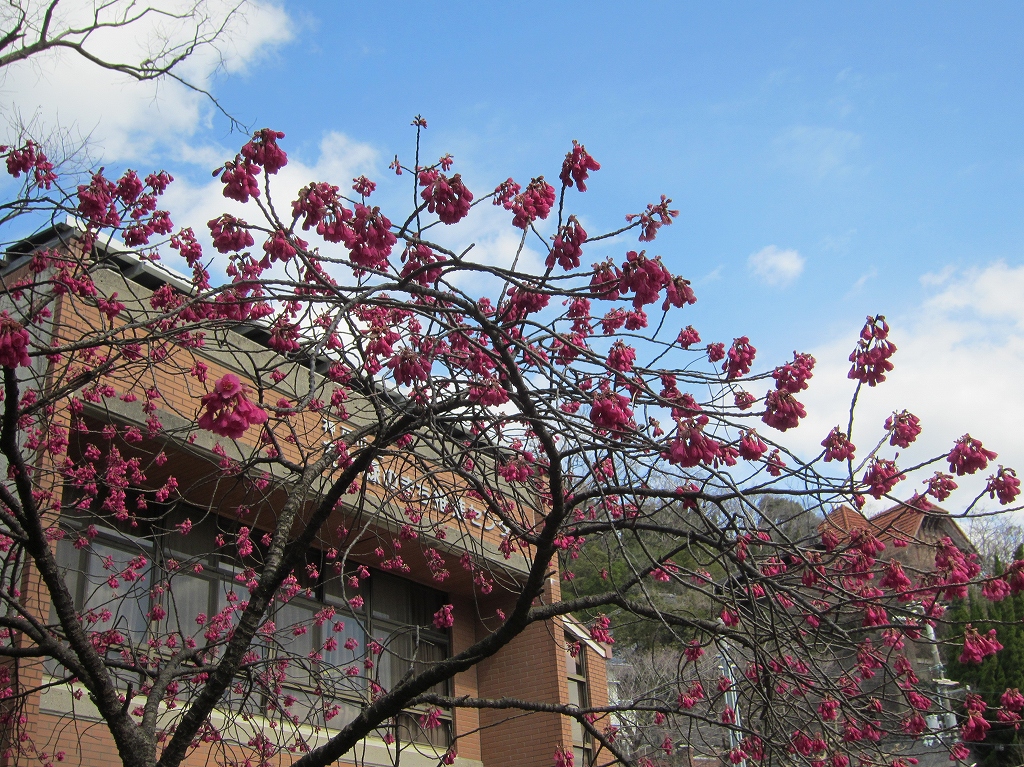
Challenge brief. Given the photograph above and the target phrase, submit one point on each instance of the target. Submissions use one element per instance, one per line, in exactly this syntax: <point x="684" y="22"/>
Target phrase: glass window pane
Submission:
<point x="187" y="597"/>
<point x="395" y="659"/>
<point x="297" y="635"/>
<point x="391" y="599"/>
<point x="428" y="654"/>
<point x="350" y="630"/>
<point x="409" y="731"/>
<point x="574" y="693"/>
<point x="69" y="563"/>
<point x="200" y="541"/>
<point x="125" y="607"/>
<point x="425" y="602"/>
<point x="577" y="732"/>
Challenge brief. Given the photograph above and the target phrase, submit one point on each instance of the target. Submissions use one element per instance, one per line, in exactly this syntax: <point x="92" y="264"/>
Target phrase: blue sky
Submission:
<point x="828" y="160"/>
<point x="879" y="143"/>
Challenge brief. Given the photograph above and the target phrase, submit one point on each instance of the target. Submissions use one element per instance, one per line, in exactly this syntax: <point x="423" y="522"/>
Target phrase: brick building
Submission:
<point x="551" y="662"/>
<point x="911" y="535"/>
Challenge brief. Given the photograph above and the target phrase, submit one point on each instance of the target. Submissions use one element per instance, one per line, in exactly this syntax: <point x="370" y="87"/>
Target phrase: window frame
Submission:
<point x="219" y="572"/>
<point x="583" y="749"/>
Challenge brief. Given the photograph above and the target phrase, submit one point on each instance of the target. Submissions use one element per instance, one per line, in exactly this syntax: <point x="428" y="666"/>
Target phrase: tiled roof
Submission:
<point x="901" y="521"/>
<point x="844" y="519"/>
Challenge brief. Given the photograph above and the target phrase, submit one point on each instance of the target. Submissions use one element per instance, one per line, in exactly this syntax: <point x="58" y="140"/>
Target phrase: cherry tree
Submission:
<point x="143" y="41"/>
<point x="336" y="388"/>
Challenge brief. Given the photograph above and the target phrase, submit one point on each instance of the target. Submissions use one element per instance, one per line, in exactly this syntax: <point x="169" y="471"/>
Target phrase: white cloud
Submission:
<point x="776" y="266"/>
<point x="958" y="367"/>
<point x="861" y="281"/>
<point x="125" y="120"/>
<point x="340" y="160"/>
<point x="817" y="152"/>
<point x="934" y="279"/>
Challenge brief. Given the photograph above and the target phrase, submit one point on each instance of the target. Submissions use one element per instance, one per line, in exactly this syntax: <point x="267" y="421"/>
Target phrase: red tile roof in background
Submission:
<point x="901" y="521"/>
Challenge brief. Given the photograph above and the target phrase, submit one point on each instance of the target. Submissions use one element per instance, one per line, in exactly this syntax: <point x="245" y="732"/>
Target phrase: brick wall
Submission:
<point x="531" y="667"/>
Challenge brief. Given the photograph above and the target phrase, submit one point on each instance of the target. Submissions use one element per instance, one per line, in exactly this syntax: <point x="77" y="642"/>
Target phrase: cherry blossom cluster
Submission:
<point x="740" y="358"/>
<point x="14" y="343"/>
<point x="871" y="357"/>
<point x="968" y="456"/>
<point x="838" y="446"/>
<point x="239" y="176"/>
<point x="1005" y="485"/>
<point x="567" y="249"/>
<point x="532" y="204"/>
<point x="30" y="159"/>
<point x="904" y="427"/>
<point x="447" y="197"/>
<point x="651" y="220"/>
<point x="577" y="167"/>
<point x="782" y="410"/>
<point x="229" y="412"/>
<point x="105" y="204"/>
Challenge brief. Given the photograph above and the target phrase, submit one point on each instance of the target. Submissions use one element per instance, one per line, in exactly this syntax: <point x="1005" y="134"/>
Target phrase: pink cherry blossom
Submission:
<point x="532" y="203"/>
<point x="505" y="193"/>
<point x="977" y="647"/>
<point x="656" y="216"/>
<point x="691" y="446"/>
<point x="1004" y="485"/>
<point x="263" y="150"/>
<point x="30" y="157"/>
<point x="751" y="447"/>
<point x="14" y="341"/>
<point x="739" y="359"/>
<point x="422" y="264"/>
<point x="363" y="186"/>
<point x="621" y="357"/>
<point x="793" y="376"/>
<point x="577" y="166"/>
<point x="881" y="477"/>
<point x="230" y="234"/>
<point x="228" y="412"/>
<point x="410" y="367"/>
<point x="369" y="238"/>
<point x="239" y="179"/>
<point x="445" y="617"/>
<point x="600" y="630"/>
<point x="688" y="336"/>
<point x="838" y="446"/>
<point x="744" y="400"/>
<point x="567" y="248"/>
<point x="905" y="428"/>
<point x="940" y="486"/>
<point x="782" y="410"/>
<point x="644" y="277"/>
<point x="447" y="197"/>
<point x="871" y="357"/>
<point x="97" y="201"/>
<point x="996" y="590"/>
<point x="968" y="456"/>
<point x="606" y="281"/>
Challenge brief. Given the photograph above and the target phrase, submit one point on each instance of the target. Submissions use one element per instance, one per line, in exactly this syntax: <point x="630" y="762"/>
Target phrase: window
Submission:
<point x="324" y="682"/>
<point x="576" y="668"/>
<point x="401" y="617"/>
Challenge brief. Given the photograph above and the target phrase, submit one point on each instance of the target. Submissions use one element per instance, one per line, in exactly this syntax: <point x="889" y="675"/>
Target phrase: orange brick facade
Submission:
<point x="532" y="667"/>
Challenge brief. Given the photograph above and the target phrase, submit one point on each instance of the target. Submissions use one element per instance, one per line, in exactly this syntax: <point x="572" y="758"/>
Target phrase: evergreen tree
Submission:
<point x="1004" y="746"/>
